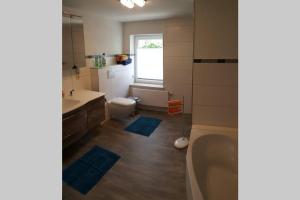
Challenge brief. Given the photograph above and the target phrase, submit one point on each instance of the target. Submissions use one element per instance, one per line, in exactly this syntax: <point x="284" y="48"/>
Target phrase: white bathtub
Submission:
<point x="212" y="164"/>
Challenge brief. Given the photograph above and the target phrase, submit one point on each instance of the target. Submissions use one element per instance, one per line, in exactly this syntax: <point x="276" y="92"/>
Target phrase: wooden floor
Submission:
<point x="149" y="167"/>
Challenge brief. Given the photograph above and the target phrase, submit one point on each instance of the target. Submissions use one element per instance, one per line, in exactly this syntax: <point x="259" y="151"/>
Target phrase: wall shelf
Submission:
<point x="106" y="55"/>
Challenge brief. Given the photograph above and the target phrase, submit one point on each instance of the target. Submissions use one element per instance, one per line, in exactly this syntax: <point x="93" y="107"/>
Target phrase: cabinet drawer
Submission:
<point x="75" y="124"/>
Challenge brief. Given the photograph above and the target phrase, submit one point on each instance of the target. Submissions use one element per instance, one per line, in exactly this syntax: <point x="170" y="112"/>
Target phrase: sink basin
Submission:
<point x="69" y="102"/>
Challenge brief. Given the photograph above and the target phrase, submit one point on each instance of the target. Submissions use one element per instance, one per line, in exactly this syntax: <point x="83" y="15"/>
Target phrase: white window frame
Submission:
<point x="143" y="80"/>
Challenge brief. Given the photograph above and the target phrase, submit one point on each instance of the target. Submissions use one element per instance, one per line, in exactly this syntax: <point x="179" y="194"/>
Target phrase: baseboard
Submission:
<point x="152" y="108"/>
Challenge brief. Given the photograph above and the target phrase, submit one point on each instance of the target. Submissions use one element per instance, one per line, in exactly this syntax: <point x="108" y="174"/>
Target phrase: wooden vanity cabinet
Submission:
<point x="78" y="122"/>
<point x="95" y="112"/>
<point x="74" y="126"/>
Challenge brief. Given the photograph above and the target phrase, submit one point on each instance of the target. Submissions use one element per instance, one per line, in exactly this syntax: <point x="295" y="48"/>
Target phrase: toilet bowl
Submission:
<point x="121" y="107"/>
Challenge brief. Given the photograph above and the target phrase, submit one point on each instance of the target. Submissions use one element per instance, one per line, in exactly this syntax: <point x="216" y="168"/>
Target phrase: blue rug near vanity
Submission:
<point x="85" y="173"/>
<point x="143" y="126"/>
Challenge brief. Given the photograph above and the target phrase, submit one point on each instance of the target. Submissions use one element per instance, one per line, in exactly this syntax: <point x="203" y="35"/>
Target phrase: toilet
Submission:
<point x="120" y="107"/>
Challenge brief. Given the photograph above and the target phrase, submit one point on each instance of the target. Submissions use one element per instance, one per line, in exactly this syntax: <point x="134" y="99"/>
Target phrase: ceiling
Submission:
<point x="154" y="9"/>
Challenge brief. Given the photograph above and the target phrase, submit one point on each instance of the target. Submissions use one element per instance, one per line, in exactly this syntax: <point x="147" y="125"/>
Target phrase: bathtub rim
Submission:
<point x="198" y="131"/>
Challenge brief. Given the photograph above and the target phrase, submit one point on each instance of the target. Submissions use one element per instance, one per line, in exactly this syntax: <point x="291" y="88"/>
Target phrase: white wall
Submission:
<point x="101" y="35"/>
<point x="178" y="52"/>
<point x="140" y="27"/>
<point x="71" y="81"/>
<point x="113" y="80"/>
<point x="215" y="94"/>
<point x="215" y="89"/>
<point x="216" y="33"/>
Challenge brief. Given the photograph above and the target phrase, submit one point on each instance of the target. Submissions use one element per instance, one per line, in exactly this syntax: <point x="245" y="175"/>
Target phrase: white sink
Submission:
<point x="79" y="98"/>
<point x="66" y="103"/>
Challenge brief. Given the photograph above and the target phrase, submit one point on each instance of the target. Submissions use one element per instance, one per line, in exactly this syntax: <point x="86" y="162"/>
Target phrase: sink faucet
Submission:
<point x="71" y="92"/>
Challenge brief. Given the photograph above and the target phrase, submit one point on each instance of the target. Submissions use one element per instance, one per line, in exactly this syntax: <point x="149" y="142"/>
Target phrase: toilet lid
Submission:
<point x="123" y="101"/>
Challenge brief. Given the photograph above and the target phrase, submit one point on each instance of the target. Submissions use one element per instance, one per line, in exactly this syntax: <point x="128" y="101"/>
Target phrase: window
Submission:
<point x="148" y="58"/>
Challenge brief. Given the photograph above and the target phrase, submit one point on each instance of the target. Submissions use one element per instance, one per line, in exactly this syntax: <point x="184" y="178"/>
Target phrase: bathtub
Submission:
<point x="211" y="170"/>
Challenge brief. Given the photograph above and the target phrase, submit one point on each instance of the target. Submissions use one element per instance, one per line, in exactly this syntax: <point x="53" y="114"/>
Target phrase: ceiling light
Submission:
<point x="127" y="3"/>
<point x="130" y="3"/>
<point x="140" y="3"/>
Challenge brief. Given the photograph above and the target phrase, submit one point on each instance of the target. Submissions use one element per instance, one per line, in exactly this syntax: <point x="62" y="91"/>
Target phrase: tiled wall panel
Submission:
<point x="215" y="94"/>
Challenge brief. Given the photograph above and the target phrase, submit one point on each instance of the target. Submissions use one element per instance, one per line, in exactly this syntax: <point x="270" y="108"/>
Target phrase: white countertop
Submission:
<point x="79" y="98"/>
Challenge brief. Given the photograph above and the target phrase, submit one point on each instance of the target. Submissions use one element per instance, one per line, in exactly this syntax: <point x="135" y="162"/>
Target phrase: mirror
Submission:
<point x="72" y="42"/>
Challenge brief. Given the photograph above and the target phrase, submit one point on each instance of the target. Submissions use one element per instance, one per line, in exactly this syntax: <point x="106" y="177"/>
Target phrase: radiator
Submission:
<point x="157" y="98"/>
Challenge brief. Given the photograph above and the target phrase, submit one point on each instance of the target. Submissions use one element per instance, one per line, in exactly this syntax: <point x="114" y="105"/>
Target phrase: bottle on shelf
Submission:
<point x="103" y="60"/>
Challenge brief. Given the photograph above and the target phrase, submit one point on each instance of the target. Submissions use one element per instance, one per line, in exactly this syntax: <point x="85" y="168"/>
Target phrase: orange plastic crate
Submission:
<point x="175" y="106"/>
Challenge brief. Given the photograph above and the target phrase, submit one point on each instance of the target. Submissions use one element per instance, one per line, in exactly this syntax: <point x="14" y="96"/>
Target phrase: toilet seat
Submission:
<point x="123" y="101"/>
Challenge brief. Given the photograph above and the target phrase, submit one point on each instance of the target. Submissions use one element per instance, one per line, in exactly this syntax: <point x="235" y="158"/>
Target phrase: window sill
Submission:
<point x="147" y="85"/>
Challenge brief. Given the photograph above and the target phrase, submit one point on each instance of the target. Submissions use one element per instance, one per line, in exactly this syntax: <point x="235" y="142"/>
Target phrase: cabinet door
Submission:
<point x="96" y="112"/>
<point x="78" y="42"/>
<point x="216" y="29"/>
<point x="67" y="49"/>
<point x="74" y="126"/>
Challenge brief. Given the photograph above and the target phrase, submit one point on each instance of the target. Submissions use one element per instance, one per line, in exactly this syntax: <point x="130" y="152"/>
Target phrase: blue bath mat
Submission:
<point x="85" y="173"/>
<point x="143" y="126"/>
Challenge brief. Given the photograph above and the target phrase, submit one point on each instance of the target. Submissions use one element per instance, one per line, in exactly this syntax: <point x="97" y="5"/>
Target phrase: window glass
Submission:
<point x="149" y="58"/>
